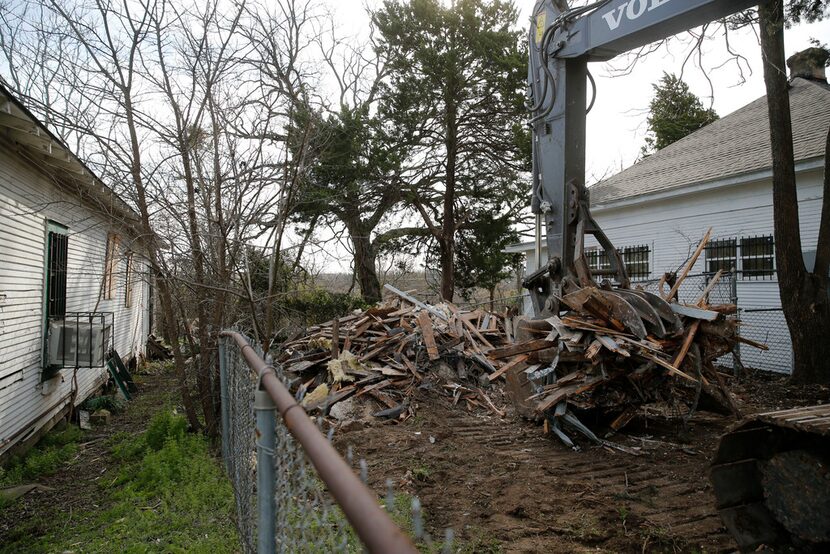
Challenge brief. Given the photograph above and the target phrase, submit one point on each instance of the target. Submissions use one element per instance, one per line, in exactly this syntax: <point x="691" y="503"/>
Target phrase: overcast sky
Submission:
<point x="616" y="125"/>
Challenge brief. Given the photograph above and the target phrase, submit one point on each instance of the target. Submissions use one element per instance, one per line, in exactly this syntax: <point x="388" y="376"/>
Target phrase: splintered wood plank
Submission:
<point x="507" y="367"/>
<point x="425" y="323"/>
<point x="521" y="348"/>
<point x="696" y="313"/>
<point x="692" y="260"/>
<point x="411" y="367"/>
<point x="490" y="404"/>
<point x="362" y="326"/>
<point x="687" y="343"/>
<point x="475" y="331"/>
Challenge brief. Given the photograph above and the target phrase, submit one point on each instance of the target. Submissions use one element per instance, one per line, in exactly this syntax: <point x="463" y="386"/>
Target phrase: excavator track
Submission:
<point x="771" y="477"/>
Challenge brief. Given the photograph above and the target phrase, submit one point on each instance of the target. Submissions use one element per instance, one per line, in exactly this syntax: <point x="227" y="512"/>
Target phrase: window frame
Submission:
<point x="129" y="279"/>
<point x="759" y="240"/>
<point x="719" y="245"/>
<point x="597" y="259"/>
<point x="51" y="229"/>
<point x="741" y="244"/>
<point x="109" y="283"/>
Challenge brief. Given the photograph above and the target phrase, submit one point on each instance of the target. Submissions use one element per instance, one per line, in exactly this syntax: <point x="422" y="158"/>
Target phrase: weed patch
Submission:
<point x="53" y="450"/>
<point x="168" y="494"/>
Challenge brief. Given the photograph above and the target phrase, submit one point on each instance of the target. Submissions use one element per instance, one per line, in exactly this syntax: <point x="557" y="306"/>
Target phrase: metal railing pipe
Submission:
<point x="373" y="526"/>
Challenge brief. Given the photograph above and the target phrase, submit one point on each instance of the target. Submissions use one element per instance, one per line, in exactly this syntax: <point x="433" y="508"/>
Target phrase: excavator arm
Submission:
<point x="562" y="42"/>
<point x="770" y="474"/>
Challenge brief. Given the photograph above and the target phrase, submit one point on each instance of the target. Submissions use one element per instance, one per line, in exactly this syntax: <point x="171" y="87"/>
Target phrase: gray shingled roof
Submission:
<point x="733" y="145"/>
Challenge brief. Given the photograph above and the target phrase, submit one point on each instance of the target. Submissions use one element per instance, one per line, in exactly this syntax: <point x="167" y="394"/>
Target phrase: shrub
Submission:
<point x="164" y="427"/>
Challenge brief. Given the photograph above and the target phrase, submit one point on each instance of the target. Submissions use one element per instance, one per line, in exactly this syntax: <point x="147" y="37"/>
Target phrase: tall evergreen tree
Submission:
<point x="674" y="112"/>
<point x="481" y="262"/>
<point x="353" y="180"/>
<point x="455" y="97"/>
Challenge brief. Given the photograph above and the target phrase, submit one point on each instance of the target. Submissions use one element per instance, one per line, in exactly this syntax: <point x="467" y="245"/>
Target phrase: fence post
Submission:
<point x="736" y="350"/>
<point x="266" y="433"/>
<point x="225" y="401"/>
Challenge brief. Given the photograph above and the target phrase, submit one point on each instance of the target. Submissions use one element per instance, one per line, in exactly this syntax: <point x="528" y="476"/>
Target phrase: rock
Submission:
<point x="345" y="409"/>
<point x="83" y="420"/>
<point x="100" y="417"/>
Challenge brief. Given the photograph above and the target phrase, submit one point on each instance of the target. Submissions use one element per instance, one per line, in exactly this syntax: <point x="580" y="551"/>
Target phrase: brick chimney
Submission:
<point x="809" y="64"/>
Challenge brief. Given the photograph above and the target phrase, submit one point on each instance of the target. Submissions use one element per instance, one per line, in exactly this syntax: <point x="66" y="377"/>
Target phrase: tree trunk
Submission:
<point x="206" y="350"/>
<point x="365" y="262"/>
<point x="804" y="295"/>
<point x="447" y="250"/>
<point x="447" y="241"/>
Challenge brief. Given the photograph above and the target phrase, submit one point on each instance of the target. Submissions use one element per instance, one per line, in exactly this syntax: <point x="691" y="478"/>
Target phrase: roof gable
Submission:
<point x="733" y="145"/>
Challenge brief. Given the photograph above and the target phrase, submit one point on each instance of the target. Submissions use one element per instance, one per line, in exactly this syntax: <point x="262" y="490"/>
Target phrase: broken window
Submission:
<point x="721" y="254"/>
<point x="110" y="265"/>
<point x="757" y="257"/>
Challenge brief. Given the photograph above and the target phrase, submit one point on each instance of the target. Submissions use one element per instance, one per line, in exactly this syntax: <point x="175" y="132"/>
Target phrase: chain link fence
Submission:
<point x="766" y="326"/>
<point x="283" y="505"/>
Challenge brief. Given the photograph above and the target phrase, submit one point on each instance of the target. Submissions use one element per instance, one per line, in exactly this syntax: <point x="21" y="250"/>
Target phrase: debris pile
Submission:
<point x="388" y="351"/>
<point x="608" y="350"/>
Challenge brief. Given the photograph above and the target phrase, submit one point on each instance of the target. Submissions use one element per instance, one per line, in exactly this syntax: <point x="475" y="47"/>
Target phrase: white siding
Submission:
<point x="27" y="200"/>
<point x="672" y="227"/>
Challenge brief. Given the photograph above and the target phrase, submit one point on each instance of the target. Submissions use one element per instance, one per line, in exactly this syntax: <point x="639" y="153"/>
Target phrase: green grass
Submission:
<point x="53" y="450"/>
<point x="166" y="494"/>
<point x="479" y="541"/>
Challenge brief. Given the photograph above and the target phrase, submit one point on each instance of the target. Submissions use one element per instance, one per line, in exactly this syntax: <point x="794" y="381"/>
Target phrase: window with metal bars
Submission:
<point x="635" y="258"/>
<point x="751" y="257"/>
<point x="757" y="257"/>
<point x="57" y="259"/>
<point x="721" y="254"/>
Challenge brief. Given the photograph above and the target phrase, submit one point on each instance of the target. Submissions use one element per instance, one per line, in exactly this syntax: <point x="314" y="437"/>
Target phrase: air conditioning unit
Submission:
<point x="77" y="343"/>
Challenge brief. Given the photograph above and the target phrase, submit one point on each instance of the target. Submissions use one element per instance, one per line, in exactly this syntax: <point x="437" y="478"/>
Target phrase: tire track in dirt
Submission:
<point x="502" y="478"/>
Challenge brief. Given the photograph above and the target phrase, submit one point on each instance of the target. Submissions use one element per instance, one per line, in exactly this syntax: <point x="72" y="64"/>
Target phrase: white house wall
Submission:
<point x="27" y="200"/>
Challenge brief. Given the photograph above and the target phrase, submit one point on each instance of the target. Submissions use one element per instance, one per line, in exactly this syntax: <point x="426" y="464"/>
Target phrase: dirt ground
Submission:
<point x="501" y="481"/>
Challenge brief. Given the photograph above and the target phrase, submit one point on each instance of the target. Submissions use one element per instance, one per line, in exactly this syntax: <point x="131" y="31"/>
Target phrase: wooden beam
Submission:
<point x="696" y="313"/>
<point x="425" y="323"/>
<point x="689" y="265"/>
<point x="11" y="121"/>
<point x="507" y="367"/>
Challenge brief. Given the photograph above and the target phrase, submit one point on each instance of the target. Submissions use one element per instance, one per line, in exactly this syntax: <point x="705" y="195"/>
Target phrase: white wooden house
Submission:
<point x="73" y="278"/>
<point x="657" y="210"/>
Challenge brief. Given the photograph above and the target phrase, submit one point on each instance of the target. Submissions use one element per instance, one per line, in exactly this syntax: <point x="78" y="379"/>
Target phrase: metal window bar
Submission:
<point x="58" y="251"/>
<point x="754" y="257"/>
<point x="292" y="513"/>
<point x="636" y="259"/>
<point x="78" y="344"/>
<point x="721" y="254"/>
<point x="758" y="257"/>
